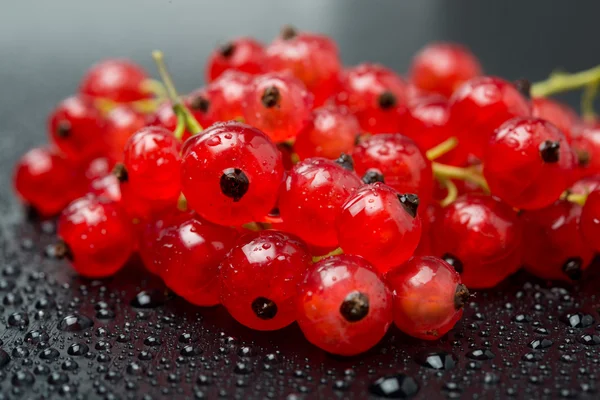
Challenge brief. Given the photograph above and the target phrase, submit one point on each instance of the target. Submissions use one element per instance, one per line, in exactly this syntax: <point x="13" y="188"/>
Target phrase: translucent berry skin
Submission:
<point x="375" y="94"/>
<point x="483" y="234"/>
<point x="121" y="123"/>
<point x="586" y="144"/>
<point x="77" y="129"/>
<point x="442" y="67"/>
<point x="228" y="148"/>
<point x="481" y="105"/>
<point x="312" y="58"/>
<point x="119" y="80"/>
<point x="522" y="169"/>
<point x="561" y="115"/>
<point x="279" y="105"/>
<point x="555" y="247"/>
<point x="153" y="163"/>
<point x="332" y="132"/>
<point x="259" y="279"/>
<point x="99" y="168"/>
<point x="375" y="224"/>
<point x="343" y="305"/>
<point x="227" y="95"/>
<point x="401" y="162"/>
<point x="242" y="54"/>
<point x="311" y="198"/>
<point x="428" y="297"/>
<point x="590" y="220"/>
<point x="187" y="257"/>
<point x="47" y="181"/>
<point x="98" y="235"/>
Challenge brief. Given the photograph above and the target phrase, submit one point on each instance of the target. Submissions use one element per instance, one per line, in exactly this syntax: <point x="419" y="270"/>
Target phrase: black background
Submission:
<point x="45" y="46"/>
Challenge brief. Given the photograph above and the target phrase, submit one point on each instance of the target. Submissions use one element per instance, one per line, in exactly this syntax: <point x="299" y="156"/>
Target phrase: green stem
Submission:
<point x="562" y="82"/>
<point x="180" y="128"/>
<point x="441" y="149"/>
<point x="335" y="252"/>
<point x="452" y="193"/>
<point x="444" y="172"/>
<point x="587" y="101"/>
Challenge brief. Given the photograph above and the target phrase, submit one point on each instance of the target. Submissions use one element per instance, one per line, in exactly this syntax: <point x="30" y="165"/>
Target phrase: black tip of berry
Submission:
<point x="583" y="158"/>
<point x="410" y="202"/>
<point x="373" y="176"/>
<point x="227" y="49"/>
<point x="264" y="308"/>
<point x="274" y="212"/>
<point x="573" y="268"/>
<point x="461" y="296"/>
<point x="524" y="87"/>
<point x="386" y="100"/>
<point x="200" y="103"/>
<point x="59" y="250"/>
<point x="63" y="129"/>
<point x="288" y="32"/>
<point x="454" y="261"/>
<point x="345" y="161"/>
<point x="271" y="97"/>
<point x="234" y="183"/>
<point x="120" y="172"/>
<point x="355" y="306"/>
<point x="549" y="151"/>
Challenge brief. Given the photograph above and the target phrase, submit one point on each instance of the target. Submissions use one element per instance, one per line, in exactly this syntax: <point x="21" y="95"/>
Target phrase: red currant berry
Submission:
<point x="311" y="57"/>
<point x="376" y="95"/>
<point x="561" y="115"/>
<point x="231" y="173"/>
<point x="77" y="129"/>
<point x="590" y="220"/>
<point x="242" y="54"/>
<point x="587" y="148"/>
<point x="528" y="163"/>
<point x="259" y="279"/>
<point x="107" y="188"/>
<point x="481" y="237"/>
<point x="442" y="67"/>
<point x="555" y="247"/>
<point x="399" y="159"/>
<point x="311" y="198"/>
<point x="381" y="225"/>
<point x="343" y="305"/>
<point x="279" y="105"/>
<point x="98" y="239"/>
<point x="227" y="95"/>
<point x="428" y="297"/>
<point x="481" y="105"/>
<point x="427" y="221"/>
<point x="117" y="80"/>
<point x="333" y="131"/>
<point x="47" y="181"/>
<point x="99" y="168"/>
<point x="121" y="123"/>
<point x="187" y="257"/>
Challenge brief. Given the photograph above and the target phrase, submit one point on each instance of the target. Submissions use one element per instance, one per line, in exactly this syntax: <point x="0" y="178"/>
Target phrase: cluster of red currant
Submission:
<point x="313" y="194"/>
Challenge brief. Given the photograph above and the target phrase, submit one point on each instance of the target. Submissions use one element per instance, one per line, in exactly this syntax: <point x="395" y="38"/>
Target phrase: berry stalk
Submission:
<point x="587" y="101"/>
<point x="441" y="149"/>
<point x="446" y="172"/>
<point x="332" y="253"/>
<point x="576" y="198"/>
<point x="561" y="82"/>
<point x="452" y="193"/>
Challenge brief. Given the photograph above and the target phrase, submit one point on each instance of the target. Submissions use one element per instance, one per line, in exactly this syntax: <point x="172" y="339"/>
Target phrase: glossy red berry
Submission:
<point x="333" y="131"/>
<point x="555" y="247"/>
<point x="528" y="163"/>
<point x="428" y="297"/>
<point x="398" y="158"/>
<point x="311" y="198"/>
<point x="99" y="168"/>
<point x="481" y="105"/>
<point x="187" y="257"/>
<point x="98" y="237"/>
<point x="116" y="79"/>
<point x="376" y="95"/>
<point x="481" y="237"/>
<point x="311" y="57"/>
<point x="231" y="173"/>
<point x="227" y="95"/>
<point x="77" y="129"/>
<point x="442" y="67"/>
<point x="428" y="218"/>
<point x="381" y="225"/>
<point x="47" y="181"/>
<point x="242" y="54"/>
<point x="586" y="144"/>
<point x="590" y="220"/>
<point x="259" y="279"/>
<point x="561" y="115"/>
<point x="279" y="105"/>
<point x="343" y="306"/>
<point x="121" y="123"/>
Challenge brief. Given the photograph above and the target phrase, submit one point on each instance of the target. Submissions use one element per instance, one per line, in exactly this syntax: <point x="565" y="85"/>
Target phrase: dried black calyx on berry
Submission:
<point x="410" y="202"/>
<point x="355" y="306"/>
<point x="59" y="250"/>
<point x="345" y="161"/>
<point x="454" y="262"/>
<point x="120" y="172"/>
<point x="573" y="268"/>
<point x="264" y="308"/>
<point x="386" y="100"/>
<point x="234" y="183"/>
<point x="288" y="32"/>
<point x="200" y="103"/>
<point x="524" y="87"/>
<point x="271" y="97"/>
<point x="549" y="150"/>
<point x="227" y="49"/>
<point x="63" y="129"/>
<point x="274" y="213"/>
<point x="372" y="176"/>
<point x="461" y="296"/>
<point x="583" y="157"/>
